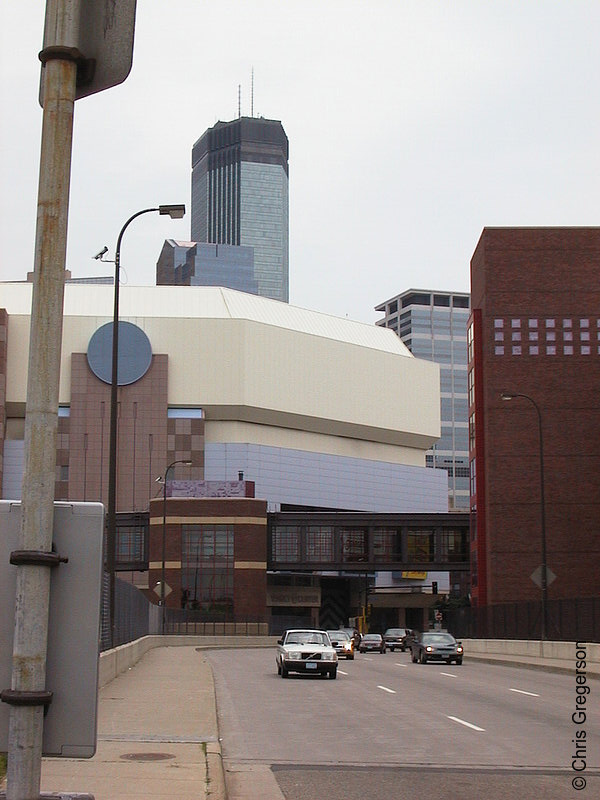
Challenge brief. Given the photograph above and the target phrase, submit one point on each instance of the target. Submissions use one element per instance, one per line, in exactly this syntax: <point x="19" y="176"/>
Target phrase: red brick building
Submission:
<point x="535" y="331"/>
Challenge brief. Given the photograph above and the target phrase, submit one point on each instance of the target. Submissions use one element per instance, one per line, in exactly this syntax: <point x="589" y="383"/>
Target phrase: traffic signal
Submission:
<point x="434" y="587"/>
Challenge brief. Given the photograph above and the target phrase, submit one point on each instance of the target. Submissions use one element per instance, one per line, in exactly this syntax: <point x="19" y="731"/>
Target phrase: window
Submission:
<point x="550" y="350"/>
<point x="285" y="543"/>
<point x="393" y="307"/>
<point x="460" y="302"/>
<point x="533" y="350"/>
<point x="354" y="545"/>
<point x="584" y="323"/>
<point x="585" y="349"/>
<point x="567" y="323"/>
<point x="499" y="351"/>
<point x="416" y="300"/>
<point x="420" y="546"/>
<point x="207" y="567"/>
<point x="516" y="351"/>
<point x="516" y="336"/>
<point x="498" y="323"/>
<point x="441" y="300"/>
<point x="550" y="323"/>
<point x="568" y="336"/>
<point x="130" y="543"/>
<point x="387" y="544"/>
<point x="568" y="349"/>
<point x="550" y="336"/>
<point x="319" y="543"/>
<point x="533" y="323"/>
<point x="533" y="336"/>
<point x="515" y="323"/>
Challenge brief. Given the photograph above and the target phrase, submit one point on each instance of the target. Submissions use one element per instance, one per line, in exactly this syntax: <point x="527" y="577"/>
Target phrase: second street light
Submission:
<point x="175" y="212"/>
<point x="163" y="595"/>
<point x="544" y="566"/>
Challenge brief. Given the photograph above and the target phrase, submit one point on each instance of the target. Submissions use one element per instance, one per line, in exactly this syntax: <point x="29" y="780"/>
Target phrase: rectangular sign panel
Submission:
<point x="73" y="625"/>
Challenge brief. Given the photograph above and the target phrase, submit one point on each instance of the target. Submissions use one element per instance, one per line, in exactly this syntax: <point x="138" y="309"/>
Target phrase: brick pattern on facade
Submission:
<point x="527" y="277"/>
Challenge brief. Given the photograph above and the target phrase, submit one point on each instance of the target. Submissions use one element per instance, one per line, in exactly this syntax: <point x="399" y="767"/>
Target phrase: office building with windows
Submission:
<point x="433" y="325"/>
<point x="201" y="264"/>
<point x="240" y="196"/>
<point x="534" y="336"/>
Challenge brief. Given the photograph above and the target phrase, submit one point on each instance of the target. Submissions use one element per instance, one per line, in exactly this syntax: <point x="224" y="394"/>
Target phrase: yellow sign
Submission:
<point x="419" y="576"/>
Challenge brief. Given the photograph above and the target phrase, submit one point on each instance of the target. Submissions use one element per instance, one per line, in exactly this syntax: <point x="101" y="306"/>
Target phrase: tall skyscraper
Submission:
<point x="240" y="195"/>
<point x="433" y="325"/>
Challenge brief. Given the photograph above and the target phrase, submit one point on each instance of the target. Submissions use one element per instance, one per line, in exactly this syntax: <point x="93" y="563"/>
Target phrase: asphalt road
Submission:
<point x="387" y="728"/>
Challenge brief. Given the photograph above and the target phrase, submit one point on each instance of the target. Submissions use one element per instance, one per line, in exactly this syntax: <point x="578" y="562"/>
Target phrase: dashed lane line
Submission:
<point x="522" y="691"/>
<point x="385" y="689"/>
<point x="466" y="724"/>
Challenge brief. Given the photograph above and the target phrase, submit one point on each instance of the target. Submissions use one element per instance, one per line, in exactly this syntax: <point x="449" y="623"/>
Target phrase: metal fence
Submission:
<point x="135" y="616"/>
<point x="576" y="619"/>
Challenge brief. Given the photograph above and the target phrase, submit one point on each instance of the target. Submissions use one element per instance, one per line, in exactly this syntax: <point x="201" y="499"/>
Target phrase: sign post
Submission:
<point x="67" y="74"/>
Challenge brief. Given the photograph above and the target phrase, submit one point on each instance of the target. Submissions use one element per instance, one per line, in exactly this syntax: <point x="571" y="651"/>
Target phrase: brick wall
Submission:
<point x="539" y="297"/>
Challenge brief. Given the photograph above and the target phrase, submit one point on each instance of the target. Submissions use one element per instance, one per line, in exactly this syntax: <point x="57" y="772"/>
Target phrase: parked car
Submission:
<point x="436" y="646"/>
<point x="306" y="651"/>
<point x="342" y="643"/>
<point x="372" y="642"/>
<point x="396" y="638"/>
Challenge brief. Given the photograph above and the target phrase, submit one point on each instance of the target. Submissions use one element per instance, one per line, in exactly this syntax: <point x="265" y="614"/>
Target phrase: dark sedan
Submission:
<point x="396" y="638"/>
<point x="436" y="646"/>
<point x="372" y="643"/>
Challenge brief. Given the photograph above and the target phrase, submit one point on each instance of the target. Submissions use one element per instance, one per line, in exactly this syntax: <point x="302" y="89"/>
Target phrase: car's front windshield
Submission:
<point x="339" y="636"/>
<point x="307" y="637"/>
<point x="438" y="638"/>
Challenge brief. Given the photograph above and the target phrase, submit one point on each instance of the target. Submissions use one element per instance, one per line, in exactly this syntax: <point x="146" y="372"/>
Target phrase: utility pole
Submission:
<point x="33" y="579"/>
<point x="65" y="68"/>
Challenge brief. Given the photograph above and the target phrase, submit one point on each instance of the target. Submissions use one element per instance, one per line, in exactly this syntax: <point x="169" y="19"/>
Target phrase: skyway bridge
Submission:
<point x="362" y="542"/>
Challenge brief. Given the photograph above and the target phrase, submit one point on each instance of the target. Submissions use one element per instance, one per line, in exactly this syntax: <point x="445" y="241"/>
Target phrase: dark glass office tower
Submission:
<point x="240" y="195"/>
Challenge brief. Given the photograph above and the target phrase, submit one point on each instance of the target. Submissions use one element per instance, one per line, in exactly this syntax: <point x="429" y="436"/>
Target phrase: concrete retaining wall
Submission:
<point x="530" y="649"/>
<point x="120" y="659"/>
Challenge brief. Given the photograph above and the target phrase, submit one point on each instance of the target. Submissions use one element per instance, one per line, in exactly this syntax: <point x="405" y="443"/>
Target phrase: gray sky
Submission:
<point x="412" y="125"/>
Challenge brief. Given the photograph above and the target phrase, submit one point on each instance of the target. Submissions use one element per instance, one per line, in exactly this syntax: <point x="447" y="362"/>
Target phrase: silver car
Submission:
<point x="306" y="651"/>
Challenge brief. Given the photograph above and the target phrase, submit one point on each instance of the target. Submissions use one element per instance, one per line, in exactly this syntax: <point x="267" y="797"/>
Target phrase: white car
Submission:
<point x="306" y="651"/>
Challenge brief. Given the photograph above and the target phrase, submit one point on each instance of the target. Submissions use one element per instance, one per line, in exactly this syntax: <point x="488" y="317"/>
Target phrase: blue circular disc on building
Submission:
<point x="134" y="356"/>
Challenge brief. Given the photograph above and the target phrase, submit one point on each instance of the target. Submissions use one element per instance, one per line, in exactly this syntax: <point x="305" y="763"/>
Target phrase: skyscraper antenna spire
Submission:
<point x="239" y="100"/>
<point x="252" y="93"/>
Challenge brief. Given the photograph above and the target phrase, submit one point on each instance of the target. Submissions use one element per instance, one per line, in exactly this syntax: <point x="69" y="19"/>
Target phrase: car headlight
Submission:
<point x="329" y="657"/>
<point x="459" y="649"/>
<point x="429" y="648"/>
<point x="347" y="646"/>
<point x="293" y="655"/>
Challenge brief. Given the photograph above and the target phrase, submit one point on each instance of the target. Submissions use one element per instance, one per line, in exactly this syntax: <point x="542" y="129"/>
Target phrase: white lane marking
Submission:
<point x="400" y="665"/>
<point x="342" y="672"/>
<point x="385" y="689"/>
<point x="522" y="691"/>
<point x="368" y="659"/>
<point x="449" y="674"/>
<point x="468" y="724"/>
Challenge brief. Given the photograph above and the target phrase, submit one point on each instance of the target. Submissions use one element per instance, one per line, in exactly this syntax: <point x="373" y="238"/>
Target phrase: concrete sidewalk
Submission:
<point x="157" y="735"/>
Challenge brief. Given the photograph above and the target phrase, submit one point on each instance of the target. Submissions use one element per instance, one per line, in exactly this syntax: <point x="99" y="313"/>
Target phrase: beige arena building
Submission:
<point x="320" y="412"/>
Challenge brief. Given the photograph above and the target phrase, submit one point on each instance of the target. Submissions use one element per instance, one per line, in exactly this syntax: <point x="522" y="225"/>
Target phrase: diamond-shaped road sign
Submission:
<point x="158" y="589"/>
<point x="102" y="44"/>
<point x="536" y="576"/>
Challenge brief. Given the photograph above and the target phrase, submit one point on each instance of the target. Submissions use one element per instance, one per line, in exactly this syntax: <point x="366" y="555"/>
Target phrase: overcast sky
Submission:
<point x="412" y="125"/>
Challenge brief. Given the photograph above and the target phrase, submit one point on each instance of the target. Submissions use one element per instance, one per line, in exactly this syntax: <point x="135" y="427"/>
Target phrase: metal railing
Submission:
<point x="573" y="619"/>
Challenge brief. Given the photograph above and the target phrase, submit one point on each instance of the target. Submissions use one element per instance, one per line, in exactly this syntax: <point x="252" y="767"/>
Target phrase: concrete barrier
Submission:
<point x="120" y="659"/>
<point x="531" y="649"/>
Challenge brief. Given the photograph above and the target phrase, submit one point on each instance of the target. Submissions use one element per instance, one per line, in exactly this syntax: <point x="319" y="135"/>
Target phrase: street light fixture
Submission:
<point x="544" y="575"/>
<point x="164" y="538"/>
<point x="175" y="212"/>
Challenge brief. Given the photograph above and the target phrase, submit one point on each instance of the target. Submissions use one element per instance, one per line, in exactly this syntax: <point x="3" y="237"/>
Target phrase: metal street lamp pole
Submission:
<point x="175" y="212"/>
<point x="544" y="576"/>
<point x="164" y="539"/>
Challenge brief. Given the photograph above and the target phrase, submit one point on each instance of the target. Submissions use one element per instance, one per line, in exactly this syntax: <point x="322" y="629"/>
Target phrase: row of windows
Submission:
<point x="548" y="350"/>
<point x="549" y="335"/>
<point x="549" y="322"/>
